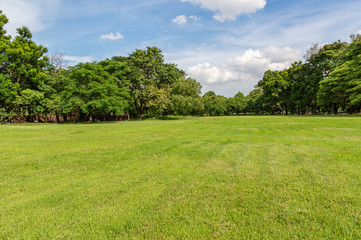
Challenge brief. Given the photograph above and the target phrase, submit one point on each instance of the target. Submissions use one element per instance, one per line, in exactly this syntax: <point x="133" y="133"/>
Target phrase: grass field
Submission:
<point x="188" y="178"/>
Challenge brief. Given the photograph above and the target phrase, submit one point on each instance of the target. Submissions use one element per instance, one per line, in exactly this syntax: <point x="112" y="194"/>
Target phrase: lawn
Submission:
<point x="187" y="178"/>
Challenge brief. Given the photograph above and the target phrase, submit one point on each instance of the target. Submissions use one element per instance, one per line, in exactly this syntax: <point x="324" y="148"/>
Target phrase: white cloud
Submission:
<point x="359" y="32"/>
<point x="194" y="18"/>
<point x="181" y="19"/>
<point x="36" y="14"/>
<point x="112" y="36"/>
<point x="246" y="69"/>
<point x="73" y="60"/>
<point x="229" y="9"/>
<point x="211" y="73"/>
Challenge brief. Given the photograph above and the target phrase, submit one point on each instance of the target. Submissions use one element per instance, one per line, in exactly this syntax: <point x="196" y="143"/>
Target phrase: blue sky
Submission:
<point x="224" y="44"/>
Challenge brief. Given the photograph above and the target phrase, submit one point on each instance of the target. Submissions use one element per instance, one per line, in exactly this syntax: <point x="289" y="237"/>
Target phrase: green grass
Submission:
<point x="190" y="178"/>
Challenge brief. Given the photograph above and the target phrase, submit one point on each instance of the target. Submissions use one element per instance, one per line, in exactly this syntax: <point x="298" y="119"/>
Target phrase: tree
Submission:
<point x="342" y="87"/>
<point x="354" y="77"/>
<point x="214" y="105"/>
<point x="30" y="103"/>
<point x="297" y="95"/>
<point x="92" y="93"/>
<point x="23" y="66"/>
<point x="316" y="69"/>
<point x="26" y="62"/>
<point x="240" y="103"/>
<point x="275" y="90"/>
<point x="159" y="100"/>
<point x="255" y="101"/>
<point x="56" y="62"/>
<point x="148" y="70"/>
<point x="185" y="97"/>
<point x="8" y="94"/>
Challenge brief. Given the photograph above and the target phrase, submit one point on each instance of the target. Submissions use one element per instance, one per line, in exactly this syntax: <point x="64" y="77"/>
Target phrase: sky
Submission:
<point x="226" y="45"/>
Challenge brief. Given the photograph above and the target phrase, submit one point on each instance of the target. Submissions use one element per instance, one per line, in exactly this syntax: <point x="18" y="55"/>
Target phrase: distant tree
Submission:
<point x="56" y="62"/>
<point x="316" y="69"/>
<point x="275" y="91"/>
<point x="148" y="70"/>
<point x="159" y="100"/>
<point x="23" y="66"/>
<point x="342" y="87"/>
<point x="185" y="97"/>
<point x="214" y="105"/>
<point x="296" y="97"/>
<point x="30" y="103"/>
<point x="8" y="94"/>
<point x="240" y="103"/>
<point x="26" y="62"/>
<point x="352" y="64"/>
<point x="91" y="93"/>
<point x="255" y="101"/>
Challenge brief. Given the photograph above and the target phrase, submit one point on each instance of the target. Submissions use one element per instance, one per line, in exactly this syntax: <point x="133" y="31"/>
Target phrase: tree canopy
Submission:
<point x="35" y="87"/>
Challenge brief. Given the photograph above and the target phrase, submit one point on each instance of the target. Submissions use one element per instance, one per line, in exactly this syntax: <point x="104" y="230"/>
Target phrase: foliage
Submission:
<point x="342" y="88"/>
<point x="147" y="72"/>
<point x="35" y="87"/>
<point x="214" y="105"/>
<point x="185" y="97"/>
<point x="90" y="93"/>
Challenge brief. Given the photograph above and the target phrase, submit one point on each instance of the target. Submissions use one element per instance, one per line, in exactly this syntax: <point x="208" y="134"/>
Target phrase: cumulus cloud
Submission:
<point x="36" y="15"/>
<point x="181" y="19"/>
<point x="73" y="60"/>
<point x="229" y="9"/>
<point x="194" y="18"/>
<point x="359" y="32"/>
<point x="247" y="68"/>
<point x="212" y="73"/>
<point x="112" y="36"/>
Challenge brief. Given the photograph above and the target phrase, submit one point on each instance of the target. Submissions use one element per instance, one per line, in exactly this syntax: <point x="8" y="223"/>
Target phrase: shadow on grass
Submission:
<point x="170" y="118"/>
<point x="85" y="123"/>
<point x="132" y="120"/>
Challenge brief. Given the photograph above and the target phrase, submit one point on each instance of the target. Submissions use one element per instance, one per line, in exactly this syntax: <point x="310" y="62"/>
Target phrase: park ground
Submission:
<point x="250" y="177"/>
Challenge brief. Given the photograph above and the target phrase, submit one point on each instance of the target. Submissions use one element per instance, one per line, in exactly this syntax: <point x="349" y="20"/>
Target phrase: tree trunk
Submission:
<point x="76" y="116"/>
<point x="36" y="117"/>
<point x="65" y="117"/>
<point x="335" y="109"/>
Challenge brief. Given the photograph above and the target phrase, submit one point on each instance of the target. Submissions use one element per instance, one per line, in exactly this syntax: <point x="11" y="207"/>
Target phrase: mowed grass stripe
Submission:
<point x="194" y="178"/>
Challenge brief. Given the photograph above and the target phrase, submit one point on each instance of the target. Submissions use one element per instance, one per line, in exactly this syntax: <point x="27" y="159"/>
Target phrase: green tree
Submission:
<point x="26" y="63"/>
<point x="8" y="95"/>
<point x="341" y="88"/>
<point x="159" y="100"/>
<point x="214" y="105"/>
<point x="317" y="68"/>
<point x="23" y="66"/>
<point x="255" y="101"/>
<point x="185" y="97"/>
<point x="240" y="103"/>
<point x="92" y="93"/>
<point x="30" y="104"/>
<point x="275" y="91"/>
<point x="148" y="70"/>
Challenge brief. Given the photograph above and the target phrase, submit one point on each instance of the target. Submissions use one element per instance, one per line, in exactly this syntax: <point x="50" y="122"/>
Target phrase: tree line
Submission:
<point x="35" y="87"/>
<point x="328" y="82"/>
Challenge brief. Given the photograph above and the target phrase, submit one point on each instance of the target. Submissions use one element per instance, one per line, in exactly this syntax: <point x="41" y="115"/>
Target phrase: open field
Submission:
<point x="194" y="178"/>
